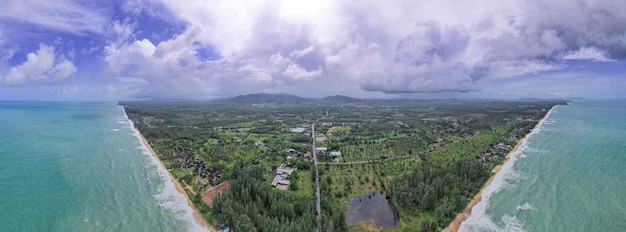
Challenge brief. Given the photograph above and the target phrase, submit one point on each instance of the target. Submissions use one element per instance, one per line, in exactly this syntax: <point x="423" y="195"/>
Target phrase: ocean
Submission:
<point x="69" y="166"/>
<point x="569" y="175"/>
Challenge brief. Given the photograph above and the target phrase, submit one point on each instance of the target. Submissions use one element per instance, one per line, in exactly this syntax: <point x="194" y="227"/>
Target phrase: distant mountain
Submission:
<point x="341" y="99"/>
<point x="290" y="99"/>
<point x="264" y="98"/>
<point x="284" y="98"/>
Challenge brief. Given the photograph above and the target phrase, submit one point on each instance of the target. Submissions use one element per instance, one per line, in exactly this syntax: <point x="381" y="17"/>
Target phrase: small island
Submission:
<point x="278" y="162"/>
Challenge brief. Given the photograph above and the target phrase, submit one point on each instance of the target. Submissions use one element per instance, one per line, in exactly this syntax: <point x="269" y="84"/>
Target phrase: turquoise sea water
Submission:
<point x="81" y="167"/>
<point x="569" y="176"/>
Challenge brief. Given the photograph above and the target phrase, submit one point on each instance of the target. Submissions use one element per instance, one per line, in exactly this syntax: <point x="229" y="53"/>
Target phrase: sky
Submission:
<point x="205" y="49"/>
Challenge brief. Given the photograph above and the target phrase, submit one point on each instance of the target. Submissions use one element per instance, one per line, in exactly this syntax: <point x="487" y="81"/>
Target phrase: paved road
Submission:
<point x="317" y="180"/>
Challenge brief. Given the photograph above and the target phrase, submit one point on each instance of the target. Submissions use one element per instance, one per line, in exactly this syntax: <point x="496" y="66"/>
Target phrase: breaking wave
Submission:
<point x="479" y="220"/>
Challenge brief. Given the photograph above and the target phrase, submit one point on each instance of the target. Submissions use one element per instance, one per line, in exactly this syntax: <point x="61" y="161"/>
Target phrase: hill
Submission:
<point x="264" y="98"/>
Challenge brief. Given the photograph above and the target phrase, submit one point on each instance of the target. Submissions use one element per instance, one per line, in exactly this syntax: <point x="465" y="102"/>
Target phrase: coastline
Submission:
<point x="196" y="215"/>
<point x="455" y="225"/>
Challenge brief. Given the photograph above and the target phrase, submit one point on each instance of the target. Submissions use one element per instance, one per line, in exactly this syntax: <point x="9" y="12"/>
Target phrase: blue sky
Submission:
<point x="98" y="50"/>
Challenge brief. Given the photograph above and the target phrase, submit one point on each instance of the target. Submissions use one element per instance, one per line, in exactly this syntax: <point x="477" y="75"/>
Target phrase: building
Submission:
<point x="201" y="183"/>
<point x="335" y="153"/>
<point x="296" y="130"/>
<point x="275" y="181"/>
<point x="282" y="173"/>
<point x="500" y="146"/>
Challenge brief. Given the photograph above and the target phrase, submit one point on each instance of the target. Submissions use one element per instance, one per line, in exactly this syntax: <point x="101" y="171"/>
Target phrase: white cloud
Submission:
<point x="63" y="15"/>
<point x="61" y="70"/>
<point x="297" y="72"/>
<point x="297" y="54"/>
<point x="42" y="66"/>
<point x="5" y="55"/>
<point x="392" y="47"/>
<point x="587" y="53"/>
<point x="128" y="56"/>
<point x="121" y="32"/>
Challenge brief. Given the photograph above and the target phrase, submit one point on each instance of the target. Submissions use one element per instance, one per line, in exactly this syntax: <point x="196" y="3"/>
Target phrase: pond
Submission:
<point x="372" y="206"/>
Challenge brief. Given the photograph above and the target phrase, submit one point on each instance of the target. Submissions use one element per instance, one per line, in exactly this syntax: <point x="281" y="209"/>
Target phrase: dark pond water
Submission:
<point x="372" y="206"/>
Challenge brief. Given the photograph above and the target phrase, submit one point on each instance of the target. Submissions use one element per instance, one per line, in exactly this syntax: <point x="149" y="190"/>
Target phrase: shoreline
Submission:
<point x="455" y="225"/>
<point x="196" y="215"/>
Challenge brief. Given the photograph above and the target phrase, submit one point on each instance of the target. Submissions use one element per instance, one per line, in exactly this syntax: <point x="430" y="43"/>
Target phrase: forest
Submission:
<point x="439" y="189"/>
<point x="252" y="205"/>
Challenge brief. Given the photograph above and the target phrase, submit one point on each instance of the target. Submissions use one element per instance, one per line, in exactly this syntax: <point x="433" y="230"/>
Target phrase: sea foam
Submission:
<point x="479" y="220"/>
<point x="525" y="206"/>
<point x="168" y="197"/>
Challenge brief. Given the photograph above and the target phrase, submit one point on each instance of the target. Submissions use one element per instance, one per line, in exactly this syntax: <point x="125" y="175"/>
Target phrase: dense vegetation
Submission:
<point x="442" y="189"/>
<point x="250" y="204"/>
<point x="430" y="156"/>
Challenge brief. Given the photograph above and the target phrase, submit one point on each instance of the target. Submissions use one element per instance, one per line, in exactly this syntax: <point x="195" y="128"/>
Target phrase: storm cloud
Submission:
<point x="398" y="47"/>
<point x="217" y="48"/>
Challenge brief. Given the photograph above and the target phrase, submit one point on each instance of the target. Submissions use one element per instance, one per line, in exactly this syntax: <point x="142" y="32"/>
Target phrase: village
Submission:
<point x="282" y="177"/>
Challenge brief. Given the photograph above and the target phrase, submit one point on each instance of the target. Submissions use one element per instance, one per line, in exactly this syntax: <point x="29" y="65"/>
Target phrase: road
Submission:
<point x="369" y="161"/>
<point x="317" y="179"/>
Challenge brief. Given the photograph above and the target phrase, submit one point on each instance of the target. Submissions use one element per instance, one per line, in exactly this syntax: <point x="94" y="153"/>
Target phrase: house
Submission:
<point x="259" y="143"/>
<point x="284" y="172"/>
<point x="235" y="139"/>
<point x="280" y="180"/>
<point x="296" y="130"/>
<point x="335" y="153"/>
<point x="201" y="183"/>
<point x="275" y="181"/>
<point x="321" y="149"/>
<point x="321" y="139"/>
<point x="500" y="146"/>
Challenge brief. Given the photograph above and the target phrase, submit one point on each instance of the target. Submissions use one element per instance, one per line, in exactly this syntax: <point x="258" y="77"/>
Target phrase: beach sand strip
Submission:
<point x="461" y="217"/>
<point x="197" y="216"/>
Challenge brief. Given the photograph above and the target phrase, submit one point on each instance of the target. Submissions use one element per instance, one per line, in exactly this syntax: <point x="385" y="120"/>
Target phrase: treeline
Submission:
<point x="443" y="190"/>
<point x="250" y="204"/>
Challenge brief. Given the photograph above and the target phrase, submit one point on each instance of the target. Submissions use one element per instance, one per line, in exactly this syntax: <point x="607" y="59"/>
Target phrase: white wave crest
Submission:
<point x="525" y="206"/>
<point x="511" y="224"/>
<point x="168" y="197"/>
<point x="479" y="220"/>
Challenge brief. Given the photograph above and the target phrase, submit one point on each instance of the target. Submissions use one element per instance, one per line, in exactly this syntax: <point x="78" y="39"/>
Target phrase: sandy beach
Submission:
<point x="199" y="219"/>
<point x="461" y="217"/>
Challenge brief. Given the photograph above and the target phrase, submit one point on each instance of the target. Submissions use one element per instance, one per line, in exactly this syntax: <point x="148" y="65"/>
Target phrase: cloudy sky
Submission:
<point x="110" y="49"/>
